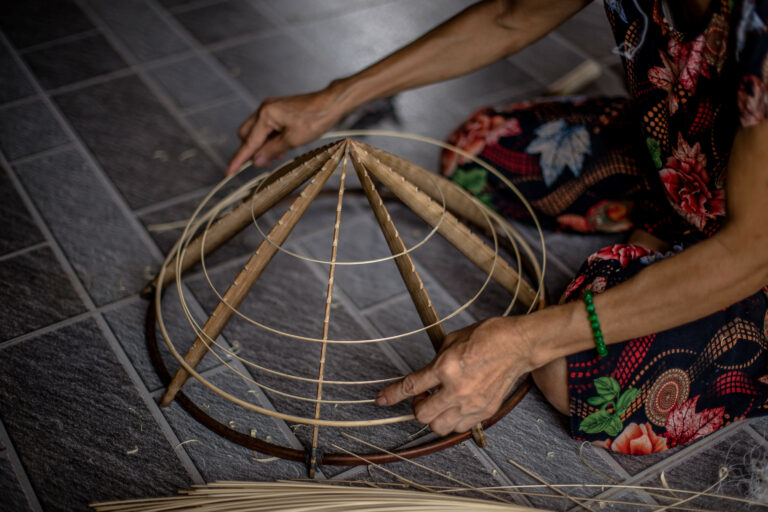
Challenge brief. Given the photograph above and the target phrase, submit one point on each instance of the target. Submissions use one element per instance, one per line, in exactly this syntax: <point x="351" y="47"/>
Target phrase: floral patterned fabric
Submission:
<point x="656" y="161"/>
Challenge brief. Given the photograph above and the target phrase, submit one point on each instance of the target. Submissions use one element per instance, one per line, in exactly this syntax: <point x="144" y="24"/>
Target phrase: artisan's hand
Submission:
<point x="473" y="373"/>
<point x="283" y="123"/>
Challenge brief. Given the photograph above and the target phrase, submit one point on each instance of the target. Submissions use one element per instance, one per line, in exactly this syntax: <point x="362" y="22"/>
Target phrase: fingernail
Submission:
<point x="260" y="161"/>
<point x="381" y="400"/>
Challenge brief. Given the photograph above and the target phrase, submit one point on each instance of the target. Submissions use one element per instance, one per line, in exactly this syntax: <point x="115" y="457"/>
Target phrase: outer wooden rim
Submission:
<point x="332" y="459"/>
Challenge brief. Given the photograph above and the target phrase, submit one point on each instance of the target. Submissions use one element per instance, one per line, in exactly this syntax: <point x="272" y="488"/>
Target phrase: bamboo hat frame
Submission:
<point x="438" y="201"/>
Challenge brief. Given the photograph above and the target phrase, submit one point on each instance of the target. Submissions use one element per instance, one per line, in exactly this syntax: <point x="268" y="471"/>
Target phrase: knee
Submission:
<point x="552" y="381"/>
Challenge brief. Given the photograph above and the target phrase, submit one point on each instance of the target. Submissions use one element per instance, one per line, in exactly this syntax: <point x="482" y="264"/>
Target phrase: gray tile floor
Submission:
<point x="117" y="116"/>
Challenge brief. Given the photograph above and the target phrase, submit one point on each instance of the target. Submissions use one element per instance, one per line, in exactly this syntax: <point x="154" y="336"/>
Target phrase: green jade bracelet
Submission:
<point x="597" y="333"/>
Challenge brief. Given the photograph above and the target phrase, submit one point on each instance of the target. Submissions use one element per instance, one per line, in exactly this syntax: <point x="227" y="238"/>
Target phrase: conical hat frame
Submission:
<point x="435" y="199"/>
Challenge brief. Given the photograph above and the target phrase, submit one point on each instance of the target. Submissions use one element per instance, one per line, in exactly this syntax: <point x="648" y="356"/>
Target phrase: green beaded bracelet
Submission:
<point x="597" y="333"/>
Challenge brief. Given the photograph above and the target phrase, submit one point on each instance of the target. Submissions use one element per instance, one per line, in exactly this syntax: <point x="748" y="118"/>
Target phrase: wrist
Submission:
<point x="556" y="332"/>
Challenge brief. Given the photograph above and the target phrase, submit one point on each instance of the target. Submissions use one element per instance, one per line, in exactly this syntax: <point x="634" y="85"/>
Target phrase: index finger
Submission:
<point x="255" y="140"/>
<point x="412" y="385"/>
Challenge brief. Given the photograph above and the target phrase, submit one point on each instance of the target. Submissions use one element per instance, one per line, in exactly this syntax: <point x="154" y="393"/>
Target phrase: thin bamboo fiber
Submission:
<point x="249" y="275"/>
<point x="327" y="313"/>
<point x="279" y="185"/>
<point x="294" y="497"/>
<point x="458" y="234"/>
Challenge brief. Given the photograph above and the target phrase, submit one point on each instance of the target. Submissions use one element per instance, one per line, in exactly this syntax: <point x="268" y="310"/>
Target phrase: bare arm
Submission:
<point x="480" y="363"/>
<point x="476" y="37"/>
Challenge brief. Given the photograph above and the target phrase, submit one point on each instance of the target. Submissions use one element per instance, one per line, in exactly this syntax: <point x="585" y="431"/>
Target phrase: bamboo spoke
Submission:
<point x="457" y="233"/>
<point x="273" y="190"/>
<point x="327" y="314"/>
<point x="461" y="203"/>
<point x="411" y="277"/>
<point x="249" y="274"/>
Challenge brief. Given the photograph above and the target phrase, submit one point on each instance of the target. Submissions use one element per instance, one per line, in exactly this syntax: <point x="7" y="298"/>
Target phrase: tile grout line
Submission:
<point x="150" y="83"/>
<point x="42" y="154"/>
<point x="18" y="469"/>
<point x="756" y="435"/>
<point x="106" y="308"/>
<point x="77" y="284"/>
<point x="201" y="52"/>
<point x="78" y="144"/>
<point x="21" y="252"/>
<point x="105" y="331"/>
<point x="61" y="40"/>
<point x="154" y="409"/>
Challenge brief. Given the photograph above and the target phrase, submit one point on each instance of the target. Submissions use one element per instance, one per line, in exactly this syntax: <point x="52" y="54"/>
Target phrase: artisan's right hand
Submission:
<point x="283" y="123"/>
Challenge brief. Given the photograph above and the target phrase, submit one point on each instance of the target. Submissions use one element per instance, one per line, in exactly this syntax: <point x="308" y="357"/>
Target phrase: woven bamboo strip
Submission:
<point x="249" y="274"/>
<point x="404" y="263"/>
<point x="450" y="227"/>
<point x="457" y="200"/>
<point x="273" y="190"/>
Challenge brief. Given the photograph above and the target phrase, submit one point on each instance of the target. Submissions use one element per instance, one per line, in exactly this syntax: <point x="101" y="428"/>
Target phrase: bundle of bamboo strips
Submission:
<point x="305" y="497"/>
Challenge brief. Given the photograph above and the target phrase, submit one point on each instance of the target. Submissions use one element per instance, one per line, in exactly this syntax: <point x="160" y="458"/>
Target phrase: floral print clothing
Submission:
<point x="656" y="161"/>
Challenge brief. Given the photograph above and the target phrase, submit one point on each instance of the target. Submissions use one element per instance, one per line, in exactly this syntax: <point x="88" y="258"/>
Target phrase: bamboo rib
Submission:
<point x="411" y="278"/>
<point x="327" y="313"/>
<point x="458" y="234"/>
<point x="249" y="274"/>
<point x="458" y="201"/>
<point x="273" y="190"/>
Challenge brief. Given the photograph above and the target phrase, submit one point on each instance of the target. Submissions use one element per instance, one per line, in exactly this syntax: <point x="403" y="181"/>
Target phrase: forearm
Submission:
<point x="476" y="37"/>
<point x="693" y="284"/>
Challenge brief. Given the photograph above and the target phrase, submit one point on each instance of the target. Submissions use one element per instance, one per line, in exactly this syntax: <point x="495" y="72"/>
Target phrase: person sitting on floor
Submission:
<point x="670" y="340"/>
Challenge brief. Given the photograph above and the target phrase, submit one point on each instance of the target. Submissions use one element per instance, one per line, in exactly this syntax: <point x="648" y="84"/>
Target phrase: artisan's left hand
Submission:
<point x="473" y="373"/>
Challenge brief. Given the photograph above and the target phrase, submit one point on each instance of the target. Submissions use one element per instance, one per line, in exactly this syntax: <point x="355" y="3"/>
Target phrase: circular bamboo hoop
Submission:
<point x="155" y="315"/>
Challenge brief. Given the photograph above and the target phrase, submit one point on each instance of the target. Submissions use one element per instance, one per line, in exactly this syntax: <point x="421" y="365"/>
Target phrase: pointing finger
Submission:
<point x="412" y="385"/>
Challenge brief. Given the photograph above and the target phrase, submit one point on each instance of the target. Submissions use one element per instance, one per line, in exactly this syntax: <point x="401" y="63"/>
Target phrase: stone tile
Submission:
<point x="27" y="129"/>
<point x="289" y="298"/>
<point x="36" y="292"/>
<point x="93" y="232"/>
<point x="470" y="470"/>
<point x="742" y="459"/>
<point x="383" y="29"/>
<point x="140" y="146"/>
<point x="146" y="35"/>
<point x="218" y="458"/>
<point x="538" y="438"/>
<point x="11" y="494"/>
<point x="458" y="275"/>
<point x="218" y="126"/>
<point x="276" y="65"/>
<point x="360" y="240"/>
<point x="760" y="425"/>
<point x="190" y="81"/>
<point x="293" y="11"/>
<point x="73" y="61"/>
<point x="223" y="20"/>
<point x="67" y="403"/>
<point x="20" y="229"/>
<point x="128" y="324"/>
<point x="398" y="317"/>
<point x="478" y="89"/>
<point x="548" y="59"/>
<point x="13" y="81"/>
<point x="590" y="20"/>
<point x="37" y="21"/>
